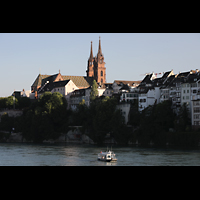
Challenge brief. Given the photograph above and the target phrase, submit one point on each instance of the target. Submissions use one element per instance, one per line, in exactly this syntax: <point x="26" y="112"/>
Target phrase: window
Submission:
<point x="101" y="73"/>
<point x="196" y="103"/>
<point x="142" y="100"/>
<point x="196" y="116"/>
<point x="196" y="110"/>
<point x="196" y="122"/>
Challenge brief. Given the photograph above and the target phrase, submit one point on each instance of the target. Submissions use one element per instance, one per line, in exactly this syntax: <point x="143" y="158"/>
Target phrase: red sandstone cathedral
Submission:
<point x="95" y="71"/>
<point x="96" y="66"/>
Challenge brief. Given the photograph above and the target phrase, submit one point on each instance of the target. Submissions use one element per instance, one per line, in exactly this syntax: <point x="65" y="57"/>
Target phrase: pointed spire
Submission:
<point x="91" y="53"/>
<point x="99" y="51"/>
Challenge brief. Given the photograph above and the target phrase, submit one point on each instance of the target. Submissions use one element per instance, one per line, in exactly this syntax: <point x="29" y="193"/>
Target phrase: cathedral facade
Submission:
<point x="95" y="71"/>
<point x="96" y="65"/>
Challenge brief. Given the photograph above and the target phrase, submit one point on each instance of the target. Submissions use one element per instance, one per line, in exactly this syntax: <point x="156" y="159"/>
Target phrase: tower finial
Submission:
<point x="99" y="51"/>
<point x="91" y="53"/>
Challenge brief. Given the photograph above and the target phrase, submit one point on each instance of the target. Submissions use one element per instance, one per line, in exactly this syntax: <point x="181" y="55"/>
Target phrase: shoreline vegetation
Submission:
<point x="47" y="118"/>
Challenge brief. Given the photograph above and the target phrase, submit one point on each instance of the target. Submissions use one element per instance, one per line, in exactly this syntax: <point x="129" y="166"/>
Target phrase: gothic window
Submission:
<point x="101" y="73"/>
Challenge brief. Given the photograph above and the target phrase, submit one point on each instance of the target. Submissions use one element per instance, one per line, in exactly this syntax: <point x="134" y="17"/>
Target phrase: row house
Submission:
<point x="106" y="89"/>
<point x="195" y="110"/>
<point x="64" y="87"/>
<point x="151" y="90"/>
<point x="78" y="95"/>
<point x="178" y="89"/>
<point x="182" y="88"/>
<point x="119" y="84"/>
<point x="193" y="86"/>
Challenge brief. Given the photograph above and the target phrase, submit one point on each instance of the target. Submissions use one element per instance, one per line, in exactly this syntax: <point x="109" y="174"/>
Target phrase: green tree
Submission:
<point x="94" y="91"/>
<point x="2" y="102"/>
<point x="24" y="102"/>
<point x="103" y="118"/>
<point x="134" y="114"/>
<point x="182" y="121"/>
<point x="155" y="121"/>
<point x="7" y="123"/>
<point x="11" y="102"/>
<point x="47" y="118"/>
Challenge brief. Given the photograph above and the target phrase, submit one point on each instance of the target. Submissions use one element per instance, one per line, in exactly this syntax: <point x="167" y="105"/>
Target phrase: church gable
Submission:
<point x="59" y="78"/>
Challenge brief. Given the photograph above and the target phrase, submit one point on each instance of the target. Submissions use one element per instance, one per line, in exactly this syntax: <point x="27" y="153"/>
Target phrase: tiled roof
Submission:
<point x="51" y="85"/>
<point x="127" y="82"/>
<point x="49" y="78"/>
<point x="38" y="81"/>
<point x="79" y="81"/>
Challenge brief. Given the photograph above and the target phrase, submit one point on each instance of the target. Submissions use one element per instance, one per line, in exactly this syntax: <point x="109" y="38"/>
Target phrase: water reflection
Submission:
<point x="86" y="155"/>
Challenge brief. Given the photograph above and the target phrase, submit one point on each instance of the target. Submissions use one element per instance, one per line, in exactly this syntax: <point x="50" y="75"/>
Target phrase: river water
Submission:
<point x="22" y="154"/>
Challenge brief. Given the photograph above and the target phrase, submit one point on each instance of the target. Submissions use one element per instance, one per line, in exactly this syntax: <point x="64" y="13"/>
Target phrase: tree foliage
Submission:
<point x="94" y="91"/>
<point x="182" y="122"/>
<point x="48" y="117"/>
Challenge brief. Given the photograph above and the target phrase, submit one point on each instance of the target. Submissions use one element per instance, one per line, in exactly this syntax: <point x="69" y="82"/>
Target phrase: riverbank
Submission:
<point x="76" y="137"/>
<point x="70" y="137"/>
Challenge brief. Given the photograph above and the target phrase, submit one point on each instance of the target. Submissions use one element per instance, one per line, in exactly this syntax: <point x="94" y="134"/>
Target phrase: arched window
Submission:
<point x="102" y="80"/>
<point x="101" y="73"/>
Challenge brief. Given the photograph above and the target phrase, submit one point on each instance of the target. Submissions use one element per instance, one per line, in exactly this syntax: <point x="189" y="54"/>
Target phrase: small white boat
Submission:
<point x="107" y="156"/>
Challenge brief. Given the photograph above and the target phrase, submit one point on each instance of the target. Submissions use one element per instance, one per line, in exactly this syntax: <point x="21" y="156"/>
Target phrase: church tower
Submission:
<point x="96" y="66"/>
<point x="90" y="69"/>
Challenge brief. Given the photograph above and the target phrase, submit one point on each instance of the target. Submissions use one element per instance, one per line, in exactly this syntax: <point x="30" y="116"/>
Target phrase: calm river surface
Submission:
<point x="20" y="154"/>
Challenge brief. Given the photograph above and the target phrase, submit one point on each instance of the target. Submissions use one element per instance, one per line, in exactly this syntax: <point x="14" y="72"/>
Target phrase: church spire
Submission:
<point x="99" y="51"/>
<point x="91" y="52"/>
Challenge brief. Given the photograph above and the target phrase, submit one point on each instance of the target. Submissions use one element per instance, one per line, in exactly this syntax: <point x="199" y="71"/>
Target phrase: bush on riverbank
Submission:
<point x="48" y="117"/>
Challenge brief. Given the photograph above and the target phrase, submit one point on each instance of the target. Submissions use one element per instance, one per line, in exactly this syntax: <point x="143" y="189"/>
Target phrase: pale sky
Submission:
<point x="128" y="56"/>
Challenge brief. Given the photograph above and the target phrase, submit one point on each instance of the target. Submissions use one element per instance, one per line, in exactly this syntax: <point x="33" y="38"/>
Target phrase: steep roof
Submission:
<point x="127" y="82"/>
<point x="79" y="81"/>
<point x="125" y="87"/>
<point x="147" y="79"/>
<point x="49" y="78"/>
<point x="38" y="80"/>
<point x="51" y="85"/>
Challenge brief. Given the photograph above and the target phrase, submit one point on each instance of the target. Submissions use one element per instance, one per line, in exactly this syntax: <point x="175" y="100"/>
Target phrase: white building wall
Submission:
<point x="116" y="88"/>
<point x="69" y="88"/>
<point x="185" y="95"/>
<point x="151" y="97"/>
